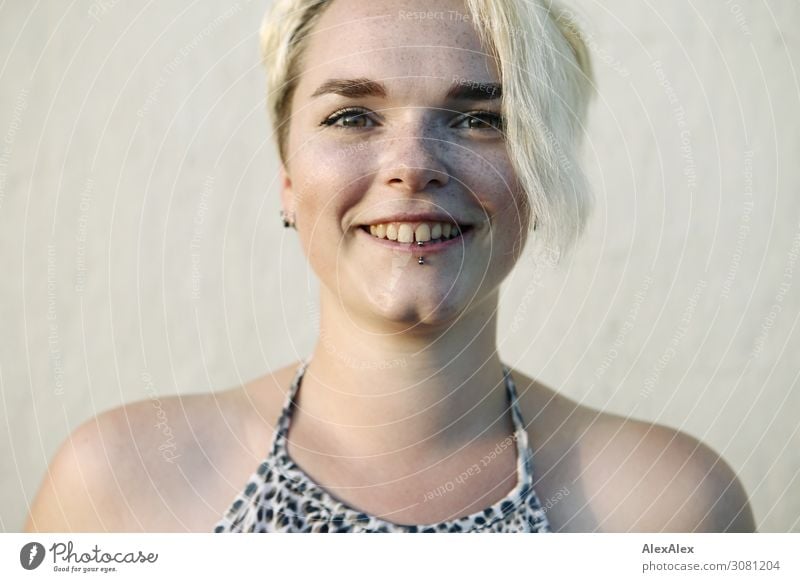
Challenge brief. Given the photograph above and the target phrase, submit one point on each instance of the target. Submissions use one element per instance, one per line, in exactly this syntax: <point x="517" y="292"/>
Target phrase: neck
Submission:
<point x="369" y="393"/>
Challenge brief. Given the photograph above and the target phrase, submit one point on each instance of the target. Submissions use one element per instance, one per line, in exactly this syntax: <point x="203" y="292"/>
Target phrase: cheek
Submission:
<point x="318" y="167"/>
<point x="507" y="208"/>
<point x="493" y="181"/>
<point x="327" y="181"/>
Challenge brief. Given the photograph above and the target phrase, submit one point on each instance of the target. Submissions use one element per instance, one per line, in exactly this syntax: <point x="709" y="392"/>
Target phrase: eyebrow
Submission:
<point x="461" y="90"/>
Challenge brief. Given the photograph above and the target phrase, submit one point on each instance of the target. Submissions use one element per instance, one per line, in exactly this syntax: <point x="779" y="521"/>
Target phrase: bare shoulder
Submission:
<point x="155" y="465"/>
<point x="603" y="472"/>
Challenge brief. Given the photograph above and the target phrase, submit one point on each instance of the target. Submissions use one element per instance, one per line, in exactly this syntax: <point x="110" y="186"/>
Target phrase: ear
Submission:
<point x="287" y="192"/>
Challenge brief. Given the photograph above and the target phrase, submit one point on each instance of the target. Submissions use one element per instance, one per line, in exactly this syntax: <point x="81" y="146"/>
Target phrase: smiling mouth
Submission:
<point x="418" y="234"/>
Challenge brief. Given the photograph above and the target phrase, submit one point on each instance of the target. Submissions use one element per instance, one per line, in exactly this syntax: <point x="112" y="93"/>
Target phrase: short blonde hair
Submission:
<point x="547" y="84"/>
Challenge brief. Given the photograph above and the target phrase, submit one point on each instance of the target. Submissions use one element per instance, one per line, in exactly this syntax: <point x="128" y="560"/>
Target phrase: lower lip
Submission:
<point x="413" y="247"/>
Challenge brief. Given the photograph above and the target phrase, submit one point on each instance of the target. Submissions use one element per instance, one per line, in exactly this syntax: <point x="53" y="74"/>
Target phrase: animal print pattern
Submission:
<point x="281" y="497"/>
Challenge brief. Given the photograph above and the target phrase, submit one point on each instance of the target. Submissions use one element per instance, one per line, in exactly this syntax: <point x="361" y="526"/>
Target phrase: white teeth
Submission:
<point x="407" y="232"/>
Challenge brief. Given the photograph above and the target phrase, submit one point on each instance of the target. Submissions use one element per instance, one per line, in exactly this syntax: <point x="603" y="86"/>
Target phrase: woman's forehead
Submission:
<point x="420" y="11"/>
<point x="390" y="39"/>
<point x="360" y="26"/>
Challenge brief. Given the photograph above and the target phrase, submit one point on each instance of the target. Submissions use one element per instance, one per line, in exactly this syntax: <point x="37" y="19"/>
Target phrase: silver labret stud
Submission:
<point x="420" y="260"/>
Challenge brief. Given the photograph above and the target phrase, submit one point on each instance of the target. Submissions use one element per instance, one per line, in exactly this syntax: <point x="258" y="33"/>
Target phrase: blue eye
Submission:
<point x="482" y="120"/>
<point x="350" y="116"/>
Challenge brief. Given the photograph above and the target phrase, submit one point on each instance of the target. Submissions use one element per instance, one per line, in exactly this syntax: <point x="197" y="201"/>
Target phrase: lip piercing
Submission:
<point x="420" y="260"/>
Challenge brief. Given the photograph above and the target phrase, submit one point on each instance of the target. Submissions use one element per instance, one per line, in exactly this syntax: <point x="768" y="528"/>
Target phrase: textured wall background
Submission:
<point x="142" y="252"/>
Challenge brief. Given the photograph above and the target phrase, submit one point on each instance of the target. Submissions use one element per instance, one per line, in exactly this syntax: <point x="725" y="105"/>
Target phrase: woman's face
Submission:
<point x="395" y="124"/>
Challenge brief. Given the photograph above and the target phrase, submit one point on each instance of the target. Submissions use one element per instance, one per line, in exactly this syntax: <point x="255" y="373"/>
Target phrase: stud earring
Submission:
<point x="286" y="221"/>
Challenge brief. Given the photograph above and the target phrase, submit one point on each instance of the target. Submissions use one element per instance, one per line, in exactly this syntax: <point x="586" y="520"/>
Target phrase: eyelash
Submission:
<point x="331" y="120"/>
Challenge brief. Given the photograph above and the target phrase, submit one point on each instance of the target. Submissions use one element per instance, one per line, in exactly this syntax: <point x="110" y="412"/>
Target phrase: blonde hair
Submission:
<point x="547" y="84"/>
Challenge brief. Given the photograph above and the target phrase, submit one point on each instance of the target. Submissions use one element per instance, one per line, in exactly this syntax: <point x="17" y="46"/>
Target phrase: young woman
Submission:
<point x="423" y="145"/>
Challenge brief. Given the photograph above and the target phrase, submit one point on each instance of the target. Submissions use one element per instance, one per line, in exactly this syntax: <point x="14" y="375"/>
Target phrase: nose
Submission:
<point x="414" y="164"/>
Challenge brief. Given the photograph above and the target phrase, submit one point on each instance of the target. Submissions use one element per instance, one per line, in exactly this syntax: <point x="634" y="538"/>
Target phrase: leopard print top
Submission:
<point x="280" y="497"/>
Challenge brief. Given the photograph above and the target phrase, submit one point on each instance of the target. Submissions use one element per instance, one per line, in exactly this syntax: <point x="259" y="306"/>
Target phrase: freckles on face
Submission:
<point x="345" y="183"/>
<point x="358" y="159"/>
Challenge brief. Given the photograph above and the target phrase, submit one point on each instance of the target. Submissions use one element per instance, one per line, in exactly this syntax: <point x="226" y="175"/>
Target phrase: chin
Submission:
<point x="434" y="310"/>
<point x="414" y="319"/>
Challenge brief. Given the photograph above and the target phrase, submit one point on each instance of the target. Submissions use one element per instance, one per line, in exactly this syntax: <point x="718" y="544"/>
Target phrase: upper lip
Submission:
<point x="417" y="217"/>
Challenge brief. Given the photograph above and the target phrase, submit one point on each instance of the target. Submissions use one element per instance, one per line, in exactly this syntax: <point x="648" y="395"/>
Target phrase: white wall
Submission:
<point x="135" y="156"/>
